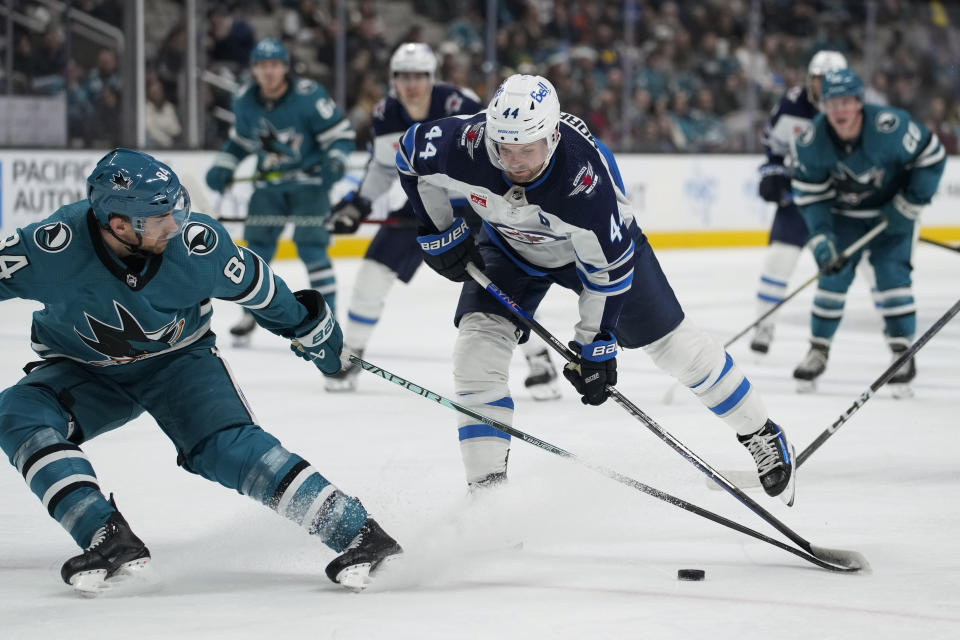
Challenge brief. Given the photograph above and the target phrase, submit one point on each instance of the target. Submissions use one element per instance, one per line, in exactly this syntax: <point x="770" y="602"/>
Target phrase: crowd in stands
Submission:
<point x="697" y="78"/>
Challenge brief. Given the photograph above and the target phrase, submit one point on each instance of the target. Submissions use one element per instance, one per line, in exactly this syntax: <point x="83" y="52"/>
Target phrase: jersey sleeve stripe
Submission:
<point x="257" y="280"/>
<point x="246" y="143"/>
<point x="271" y="291"/>
<point x="405" y="151"/>
<point x="803" y="200"/>
<point x="812" y="187"/>
<point x="340" y="131"/>
<point x="931" y="154"/>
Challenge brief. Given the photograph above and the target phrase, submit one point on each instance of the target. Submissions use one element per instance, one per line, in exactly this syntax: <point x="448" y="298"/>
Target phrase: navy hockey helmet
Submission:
<point x="136" y="185"/>
<point x="270" y="49"/>
<point x="840" y="83"/>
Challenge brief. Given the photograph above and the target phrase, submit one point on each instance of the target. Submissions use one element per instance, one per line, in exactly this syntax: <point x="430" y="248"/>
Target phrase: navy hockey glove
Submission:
<point x="346" y="215"/>
<point x="825" y="253"/>
<point x="319" y="339"/>
<point x="449" y="251"/>
<point x="901" y="215"/>
<point x="596" y="369"/>
<point x="219" y="178"/>
<point x="775" y="184"/>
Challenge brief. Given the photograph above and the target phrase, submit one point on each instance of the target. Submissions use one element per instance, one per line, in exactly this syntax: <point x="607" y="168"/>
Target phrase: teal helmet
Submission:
<point x="841" y="82"/>
<point x="270" y="49"/>
<point x="138" y="186"/>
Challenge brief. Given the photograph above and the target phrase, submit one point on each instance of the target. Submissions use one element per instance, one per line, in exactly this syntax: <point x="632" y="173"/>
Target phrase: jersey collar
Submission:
<point x="136" y="280"/>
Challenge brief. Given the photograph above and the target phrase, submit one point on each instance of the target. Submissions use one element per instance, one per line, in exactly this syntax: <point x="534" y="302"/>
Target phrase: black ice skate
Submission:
<point x="242" y="330"/>
<point x="542" y="380"/>
<point x="762" y="338"/>
<point x="344" y="380"/>
<point x="114" y="551"/>
<point x="368" y="553"/>
<point x="900" y="382"/>
<point x="775" y="461"/>
<point x="811" y="368"/>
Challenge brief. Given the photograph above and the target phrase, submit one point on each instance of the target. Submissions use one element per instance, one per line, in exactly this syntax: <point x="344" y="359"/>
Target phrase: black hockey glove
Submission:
<point x="775" y="184"/>
<point x="319" y="338"/>
<point x="449" y="251"/>
<point x="347" y="214"/>
<point x="596" y="369"/>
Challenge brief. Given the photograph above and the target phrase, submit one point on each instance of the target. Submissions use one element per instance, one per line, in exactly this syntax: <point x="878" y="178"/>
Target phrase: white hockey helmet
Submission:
<point x="413" y="57"/>
<point x="820" y="65"/>
<point x="523" y="110"/>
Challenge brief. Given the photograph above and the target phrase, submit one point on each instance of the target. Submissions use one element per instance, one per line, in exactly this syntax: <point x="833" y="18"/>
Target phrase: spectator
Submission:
<point x="231" y="38"/>
<point x="162" y="123"/>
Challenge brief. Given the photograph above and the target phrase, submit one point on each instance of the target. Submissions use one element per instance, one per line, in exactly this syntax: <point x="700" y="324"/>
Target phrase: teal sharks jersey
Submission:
<point x="295" y="137"/>
<point x="895" y="160"/>
<point x="106" y="312"/>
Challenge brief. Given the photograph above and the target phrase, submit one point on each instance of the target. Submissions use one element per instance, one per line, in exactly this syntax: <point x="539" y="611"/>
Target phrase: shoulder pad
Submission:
<point x="793" y="94"/>
<point x="379" y="109"/>
<point x="887" y="121"/>
<point x="199" y="237"/>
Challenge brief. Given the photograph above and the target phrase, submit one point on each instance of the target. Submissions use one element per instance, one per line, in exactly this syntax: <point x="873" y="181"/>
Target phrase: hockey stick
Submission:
<point x="936" y="243"/>
<point x="302" y="221"/>
<point x="849" y="251"/>
<point x="831" y="559"/>
<point x="647" y="421"/>
<point x="747" y="481"/>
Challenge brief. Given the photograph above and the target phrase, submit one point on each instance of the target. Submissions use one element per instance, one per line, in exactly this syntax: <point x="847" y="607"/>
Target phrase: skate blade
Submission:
<point x="132" y="578"/>
<point x="901" y="391"/>
<point x="789" y="494"/>
<point x="806" y="386"/>
<point x="545" y="392"/>
<point x="340" y="386"/>
<point x="358" y="577"/>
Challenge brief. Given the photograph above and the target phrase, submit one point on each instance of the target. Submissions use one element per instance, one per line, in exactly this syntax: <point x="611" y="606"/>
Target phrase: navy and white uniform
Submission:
<point x="120" y="337"/>
<point x="395" y="246"/>
<point x="791" y="116"/>
<point x="573" y="226"/>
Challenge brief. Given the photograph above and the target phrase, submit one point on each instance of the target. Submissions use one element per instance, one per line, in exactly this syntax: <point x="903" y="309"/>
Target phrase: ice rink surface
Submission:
<point x="598" y="559"/>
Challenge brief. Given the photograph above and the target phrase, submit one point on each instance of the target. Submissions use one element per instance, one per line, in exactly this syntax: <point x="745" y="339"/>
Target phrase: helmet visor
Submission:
<point x="166" y="225"/>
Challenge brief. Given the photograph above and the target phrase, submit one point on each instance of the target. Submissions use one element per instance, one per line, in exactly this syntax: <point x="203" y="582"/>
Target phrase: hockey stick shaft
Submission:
<point x="937" y="243"/>
<point x="856" y="562"/>
<point x="636" y="412"/>
<point x="849" y="251"/>
<point x="879" y="382"/>
<point x="301" y="221"/>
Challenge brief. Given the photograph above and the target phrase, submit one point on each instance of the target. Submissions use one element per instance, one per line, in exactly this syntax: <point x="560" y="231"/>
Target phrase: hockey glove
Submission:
<point x="901" y="215"/>
<point x="219" y="178"/>
<point x="825" y="253"/>
<point x="319" y="339"/>
<point x="347" y="214"/>
<point x="596" y="369"/>
<point x="775" y="184"/>
<point x="448" y="252"/>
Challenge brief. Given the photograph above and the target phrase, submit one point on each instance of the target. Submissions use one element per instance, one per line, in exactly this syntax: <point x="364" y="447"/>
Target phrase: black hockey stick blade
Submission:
<point x="837" y="560"/>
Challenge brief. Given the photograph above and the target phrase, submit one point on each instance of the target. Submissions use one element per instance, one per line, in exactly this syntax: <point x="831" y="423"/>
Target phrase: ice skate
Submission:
<point x="368" y="553"/>
<point x="242" y="331"/>
<point x="114" y="553"/>
<point x="344" y="380"/>
<point x="762" y="338"/>
<point x="542" y="380"/>
<point x="491" y="481"/>
<point x="775" y="461"/>
<point x="899" y="384"/>
<point x="811" y="368"/>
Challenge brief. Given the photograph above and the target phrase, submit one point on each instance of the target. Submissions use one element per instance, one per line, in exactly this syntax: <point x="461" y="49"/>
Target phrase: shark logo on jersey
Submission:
<point x="128" y="342"/>
<point x="121" y="182"/>
<point x="471" y="137"/>
<point x="585" y="181"/>
<point x="887" y="121"/>
<point x="53" y="237"/>
<point x="852" y="187"/>
<point x="807" y="135"/>
<point x="199" y="239"/>
<point x="280" y="146"/>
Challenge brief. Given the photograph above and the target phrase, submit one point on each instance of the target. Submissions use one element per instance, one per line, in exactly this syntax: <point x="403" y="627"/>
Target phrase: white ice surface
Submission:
<point x="599" y="559"/>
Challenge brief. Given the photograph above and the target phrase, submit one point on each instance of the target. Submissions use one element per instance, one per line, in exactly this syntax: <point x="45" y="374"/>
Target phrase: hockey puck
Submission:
<point x="691" y="574"/>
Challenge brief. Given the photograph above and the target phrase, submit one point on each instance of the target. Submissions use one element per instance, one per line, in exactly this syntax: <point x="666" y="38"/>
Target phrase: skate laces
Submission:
<point x="763" y="447"/>
<point x="98" y="537"/>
